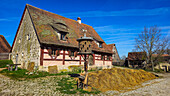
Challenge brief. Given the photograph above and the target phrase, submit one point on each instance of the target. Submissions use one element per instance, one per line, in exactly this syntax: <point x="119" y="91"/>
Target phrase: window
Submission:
<point x="108" y="57"/>
<point x="72" y="53"/>
<point x="28" y="36"/>
<point x="19" y="41"/>
<point x="100" y="45"/>
<point x="62" y="36"/>
<point x="53" y="52"/>
<point x="22" y="54"/>
<point x="102" y="57"/>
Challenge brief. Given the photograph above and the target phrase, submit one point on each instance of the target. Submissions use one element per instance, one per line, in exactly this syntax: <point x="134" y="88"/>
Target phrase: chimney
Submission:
<point x="79" y="20"/>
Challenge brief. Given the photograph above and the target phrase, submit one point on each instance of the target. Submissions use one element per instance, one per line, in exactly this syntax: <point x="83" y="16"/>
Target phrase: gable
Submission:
<point x="25" y="31"/>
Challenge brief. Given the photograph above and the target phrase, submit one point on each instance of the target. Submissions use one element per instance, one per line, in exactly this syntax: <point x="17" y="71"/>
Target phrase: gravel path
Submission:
<point x="157" y="87"/>
<point x="46" y="86"/>
<point x="41" y="86"/>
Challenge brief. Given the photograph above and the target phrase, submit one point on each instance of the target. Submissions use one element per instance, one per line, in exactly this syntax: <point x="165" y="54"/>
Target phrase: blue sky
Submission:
<point x="116" y="21"/>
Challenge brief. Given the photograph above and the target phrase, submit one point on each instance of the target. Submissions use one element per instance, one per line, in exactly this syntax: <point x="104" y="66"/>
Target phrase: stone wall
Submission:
<point x="26" y="46"/>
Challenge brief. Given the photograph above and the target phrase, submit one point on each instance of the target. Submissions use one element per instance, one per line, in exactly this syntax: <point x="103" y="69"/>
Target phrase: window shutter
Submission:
<point x="57" y="52"/>
<point x="75" y="54"/>
<point x="69" y="53"/>
<point x="49" y="51"/>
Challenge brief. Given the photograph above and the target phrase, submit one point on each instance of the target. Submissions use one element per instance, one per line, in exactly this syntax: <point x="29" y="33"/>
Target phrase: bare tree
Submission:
<point x="123" y="58"/>
<point x="167" y="51"/>
<point x="152" y="42"/>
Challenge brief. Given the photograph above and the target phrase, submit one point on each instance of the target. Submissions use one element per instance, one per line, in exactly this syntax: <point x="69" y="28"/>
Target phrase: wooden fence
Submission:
<point x="118" y="63"/>
<point x="4" y="56"/>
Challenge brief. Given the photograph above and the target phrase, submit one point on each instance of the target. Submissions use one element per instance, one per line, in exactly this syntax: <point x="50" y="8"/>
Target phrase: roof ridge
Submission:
<point x="111" y="44"/>
<point x="1" y="35"/>
<point x="28" y="5"/>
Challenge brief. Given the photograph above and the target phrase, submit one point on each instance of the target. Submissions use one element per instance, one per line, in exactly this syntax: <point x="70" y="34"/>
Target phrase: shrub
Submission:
<point x="63" y="70"/>
<point x="75" y="68"/>
<point x="3" y="63"/>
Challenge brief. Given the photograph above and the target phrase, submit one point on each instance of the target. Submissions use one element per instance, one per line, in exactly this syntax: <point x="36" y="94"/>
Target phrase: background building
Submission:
<point x="4" y="48"/>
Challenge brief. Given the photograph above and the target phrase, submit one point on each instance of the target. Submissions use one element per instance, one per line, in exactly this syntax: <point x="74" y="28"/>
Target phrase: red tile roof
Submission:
<point x="136" y="55"/>
<point x="4" y="45"/>
<point x="44" y="23"/>
<point x="163" y="55"/>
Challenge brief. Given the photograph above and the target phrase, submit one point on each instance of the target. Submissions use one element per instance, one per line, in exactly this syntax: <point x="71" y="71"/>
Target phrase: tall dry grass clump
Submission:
<point x="118" y="79"/>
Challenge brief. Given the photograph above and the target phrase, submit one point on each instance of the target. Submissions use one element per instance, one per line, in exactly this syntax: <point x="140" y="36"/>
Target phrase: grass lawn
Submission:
<point x="3" y="63"/>
<point x="22" y="74"/>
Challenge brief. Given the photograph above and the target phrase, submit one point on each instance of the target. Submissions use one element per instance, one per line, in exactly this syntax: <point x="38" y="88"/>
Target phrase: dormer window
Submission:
<point x="61" y="30"/>
<point x="100" y="45"/>
<point x="62" y="36"/>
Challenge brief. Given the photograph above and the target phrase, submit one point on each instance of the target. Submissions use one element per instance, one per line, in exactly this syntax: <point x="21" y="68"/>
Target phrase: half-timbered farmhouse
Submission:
<point x="48" y="39"/>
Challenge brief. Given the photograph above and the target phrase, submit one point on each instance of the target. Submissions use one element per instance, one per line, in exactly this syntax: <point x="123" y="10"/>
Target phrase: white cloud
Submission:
<point x="111" y="28"/>
<point x="9" y="19"/>
<point x="165" y="27"/>
<point x="129" y="12"/>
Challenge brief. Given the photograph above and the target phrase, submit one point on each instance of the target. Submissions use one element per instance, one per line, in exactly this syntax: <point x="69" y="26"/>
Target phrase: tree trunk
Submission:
<point x="152" y="65"/>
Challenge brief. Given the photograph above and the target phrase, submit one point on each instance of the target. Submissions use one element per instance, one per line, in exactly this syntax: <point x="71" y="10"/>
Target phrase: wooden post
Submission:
<point x="41" y="56"/>
<point x="63" y="57"/>
<point x="103" y="60"/>
<point x="80" y="60"/>
<point x="93" y="59"/>
<point x="11" y="67"/>
<point x="128" y="63"/>
<point x="85" y="64"/>
<point x="16" y="67"/>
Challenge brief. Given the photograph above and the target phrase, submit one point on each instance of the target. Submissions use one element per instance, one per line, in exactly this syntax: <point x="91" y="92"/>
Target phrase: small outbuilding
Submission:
<point x="135" y="59"/>
<point x="4" y="48"/>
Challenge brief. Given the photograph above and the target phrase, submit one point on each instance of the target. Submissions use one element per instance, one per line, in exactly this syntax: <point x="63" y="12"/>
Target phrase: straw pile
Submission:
<point x="118" y="79"/>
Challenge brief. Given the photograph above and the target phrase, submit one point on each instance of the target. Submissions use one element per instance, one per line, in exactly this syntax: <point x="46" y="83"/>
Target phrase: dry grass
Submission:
<point x="118" y="79"/>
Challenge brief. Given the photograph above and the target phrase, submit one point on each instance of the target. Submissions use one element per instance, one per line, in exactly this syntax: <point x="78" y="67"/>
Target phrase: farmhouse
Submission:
<point x="4" y="48"/>
<point x="48" y="39"/>
<point x="135" y="59"/>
